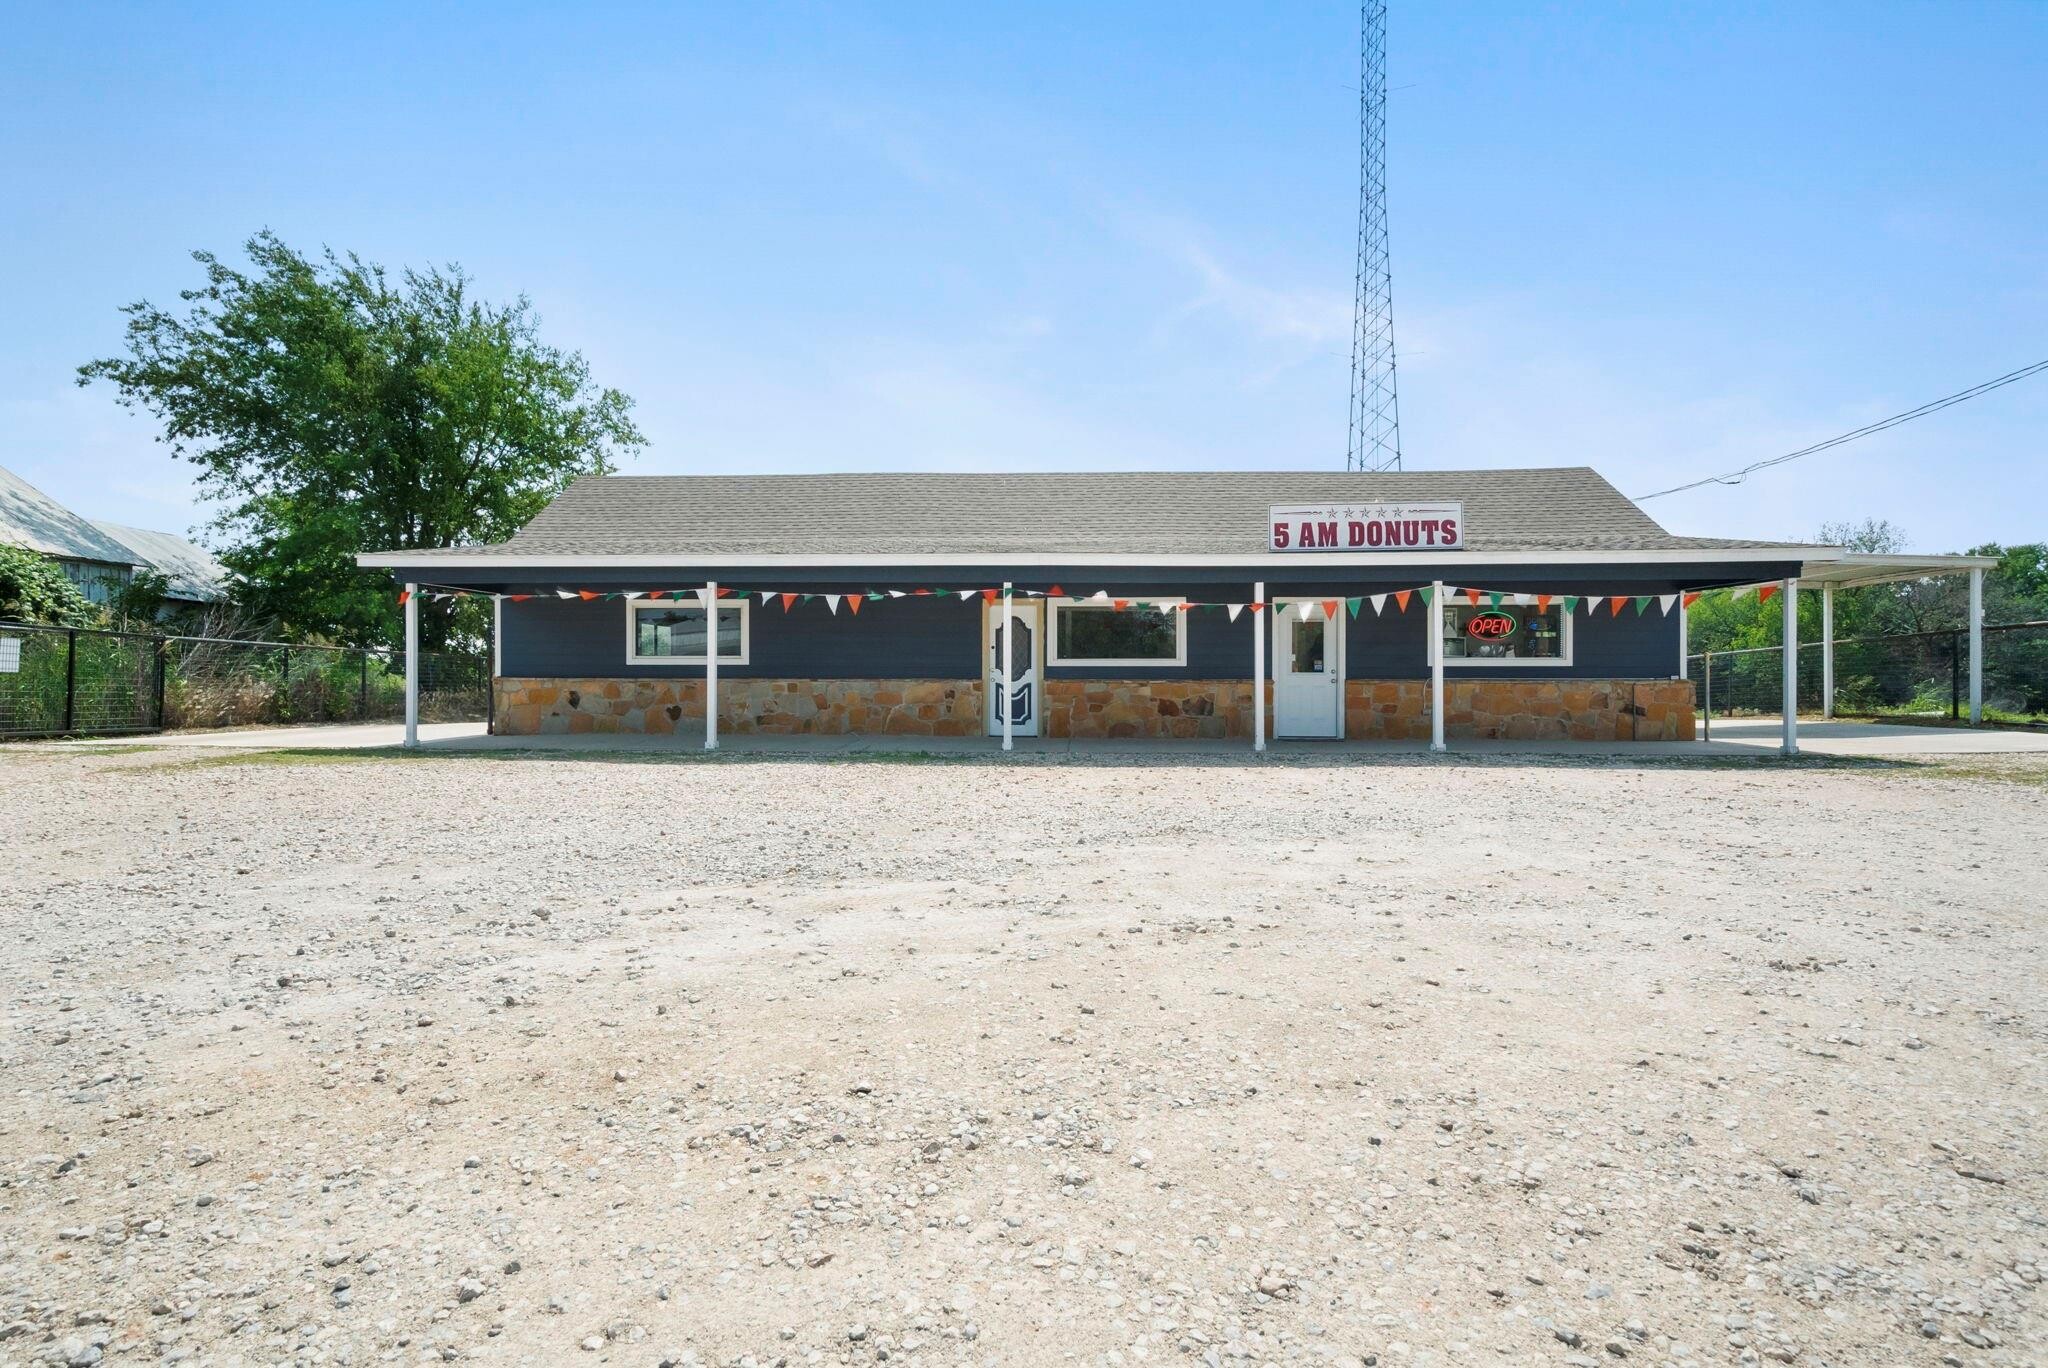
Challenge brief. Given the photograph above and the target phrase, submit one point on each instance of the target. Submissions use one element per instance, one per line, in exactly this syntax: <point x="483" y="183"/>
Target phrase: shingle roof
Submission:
<point x="31" y="518"/>
<point x="1124" y="513"/>
<point x="191" y="569"/>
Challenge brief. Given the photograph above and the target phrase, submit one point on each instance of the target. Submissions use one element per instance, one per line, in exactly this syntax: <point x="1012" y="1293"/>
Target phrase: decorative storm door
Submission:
<point x="1308" y="675"/>
<point x="1022" y="698"/>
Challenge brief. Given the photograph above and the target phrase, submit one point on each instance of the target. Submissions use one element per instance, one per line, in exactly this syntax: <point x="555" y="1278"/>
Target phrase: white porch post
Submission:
<point x="1684" y="633"/>
<point x="1259" y="629"/>
<point x="412" y="665"/>
<point x="711" y="665"/>
<point x="1432" y="619"/>
<point x="1976" y="647"/>
<point x="1827" y="650"/>
<point x="497" y="656"/>
<point x="1790" y="592"/>
<point x="1008" y="703"/>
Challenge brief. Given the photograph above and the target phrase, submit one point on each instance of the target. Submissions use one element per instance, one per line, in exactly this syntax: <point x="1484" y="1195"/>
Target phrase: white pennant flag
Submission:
<point x="1592" y="604"/>
<point x="703" y="592"/>
<point x="1744" y="591"/>
<point x="895" y="593"/>
<point x="832" y="602"/>
<point x="965" y="594"/>
<point x="766" y="595"/>
<point x="1379" y="604"/>
<point x="1235" y="609"/>
<point x="1665" y="601"/>
<point x="565" y="593"/>
<point x="632" y="594"/>
<point x="1102" y="595"/>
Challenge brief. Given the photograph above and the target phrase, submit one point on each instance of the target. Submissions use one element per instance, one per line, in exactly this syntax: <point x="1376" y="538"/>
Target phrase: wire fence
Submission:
<point x="1918" y="676"/>
<point x="81" y="681"/>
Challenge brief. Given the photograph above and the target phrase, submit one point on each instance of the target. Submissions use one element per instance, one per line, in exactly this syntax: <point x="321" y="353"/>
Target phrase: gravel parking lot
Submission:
<point x="1124" y="1061"/>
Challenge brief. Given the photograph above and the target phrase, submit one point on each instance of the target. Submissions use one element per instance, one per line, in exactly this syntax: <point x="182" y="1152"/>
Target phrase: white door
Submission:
<point x="1308" y="669"/>
<point x="1022" y="699"/>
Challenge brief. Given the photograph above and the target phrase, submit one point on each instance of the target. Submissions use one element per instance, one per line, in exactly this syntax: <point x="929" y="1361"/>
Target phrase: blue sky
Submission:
<point x="1663" y="241"/>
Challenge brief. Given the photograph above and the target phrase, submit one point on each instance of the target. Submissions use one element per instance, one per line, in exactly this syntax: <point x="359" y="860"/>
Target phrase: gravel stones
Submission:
<point x="1309" y="1061"/>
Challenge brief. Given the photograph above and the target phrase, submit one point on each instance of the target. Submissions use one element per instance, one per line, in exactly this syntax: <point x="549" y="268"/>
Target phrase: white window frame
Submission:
<point x="1567" y="619"/>
<point x="1055" y="606"/>
<point x="634" y="605"/>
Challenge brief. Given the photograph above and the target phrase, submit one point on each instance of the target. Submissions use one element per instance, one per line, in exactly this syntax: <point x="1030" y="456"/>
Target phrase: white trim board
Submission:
<point x="1292" y="565"/>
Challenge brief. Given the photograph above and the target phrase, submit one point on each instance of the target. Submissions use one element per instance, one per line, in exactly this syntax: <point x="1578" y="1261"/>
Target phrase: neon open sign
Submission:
<point x="1493" y="626"/>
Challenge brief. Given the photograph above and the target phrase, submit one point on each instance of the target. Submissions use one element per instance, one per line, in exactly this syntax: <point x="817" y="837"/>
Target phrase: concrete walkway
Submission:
<point x="1749" y="736"/>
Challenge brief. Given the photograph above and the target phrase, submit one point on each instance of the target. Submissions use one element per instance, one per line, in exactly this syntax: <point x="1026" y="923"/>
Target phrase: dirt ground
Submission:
<point x="317" y="1059"/>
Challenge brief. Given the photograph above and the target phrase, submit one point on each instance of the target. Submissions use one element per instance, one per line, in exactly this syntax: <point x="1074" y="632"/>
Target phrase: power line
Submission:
<point x="1737" y="477"/>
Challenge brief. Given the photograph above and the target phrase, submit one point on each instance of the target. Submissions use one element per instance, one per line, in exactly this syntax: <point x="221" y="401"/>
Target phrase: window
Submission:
<point x="1517" y="632"/>
<point x="673" y="633"/>
<point x="1097" y="632"/>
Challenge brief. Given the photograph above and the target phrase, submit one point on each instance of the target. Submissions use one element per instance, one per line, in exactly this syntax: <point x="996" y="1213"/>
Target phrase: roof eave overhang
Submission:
<point x="400" y="560"/>
<point x="1854" y="570"/>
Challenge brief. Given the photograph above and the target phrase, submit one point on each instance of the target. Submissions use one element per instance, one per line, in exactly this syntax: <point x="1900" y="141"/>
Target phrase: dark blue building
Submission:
<point x="1211" y="604"/>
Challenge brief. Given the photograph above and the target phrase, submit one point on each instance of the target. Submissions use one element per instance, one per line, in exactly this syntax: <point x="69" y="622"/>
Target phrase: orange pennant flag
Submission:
<point x="1473" y="595"/>
<point x="1401" y="597"/>
<point x="1763" y="595"/>
<point x="853" y="604"/>
<point x="1183" y="606"/>
<point x="1330" y="607"/>
<point x="586" y="594"/>
<point x="1258" y="607"/>
<point x="1542" y="602"/>
<point x="403" y="595"/>
<point x="1055" y="592"/>
<point x="1614" y="605"/>
<point x="1119" y="604"/>
<point x="1691" y="599"/>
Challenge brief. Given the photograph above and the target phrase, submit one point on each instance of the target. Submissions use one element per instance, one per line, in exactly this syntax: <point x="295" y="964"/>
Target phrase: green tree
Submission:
<point x="33" y="589"/>
<point x="141" y="601"/>
<point x="332" y="408"/>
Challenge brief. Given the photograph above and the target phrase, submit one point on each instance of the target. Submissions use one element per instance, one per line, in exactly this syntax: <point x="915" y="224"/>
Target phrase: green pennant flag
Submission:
<point x="1642" y="602"/>
<point x="1571" y="604"/>
<point x="874" y="594"/>
<point x="805" y="598"/>
<point x="1493" y="600"/>
<point x="1354" y="604"/>
<point x="1428" y="592"/>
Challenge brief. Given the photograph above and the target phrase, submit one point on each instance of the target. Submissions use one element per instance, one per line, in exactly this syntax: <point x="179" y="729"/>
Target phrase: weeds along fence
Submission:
<point x="1912" y="676"/>
<point x="81" y="681"/>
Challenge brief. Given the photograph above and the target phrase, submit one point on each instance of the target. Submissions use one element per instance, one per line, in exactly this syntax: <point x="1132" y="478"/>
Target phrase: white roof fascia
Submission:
<point x="1810" y="555"/>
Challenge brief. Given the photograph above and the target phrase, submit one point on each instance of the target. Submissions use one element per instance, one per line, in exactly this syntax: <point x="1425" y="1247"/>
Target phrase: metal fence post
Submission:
<point x="163" y="651"/>
<point x="1707" y="731"/>
<point x="363" y="689"/>
<point x="70" y="680"/>
<point x="1955" y="679"/>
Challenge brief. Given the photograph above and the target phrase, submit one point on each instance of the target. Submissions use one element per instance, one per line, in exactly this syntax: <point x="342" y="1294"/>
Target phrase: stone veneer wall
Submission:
<point x="895" y="707"/>
<point x="1523" y="709"/>
<point x="1149" y="707"/>
<point x="1374" y="709"/>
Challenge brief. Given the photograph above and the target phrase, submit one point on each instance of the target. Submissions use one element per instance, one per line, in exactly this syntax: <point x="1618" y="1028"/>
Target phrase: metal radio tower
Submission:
<point x="1375" y="442"/>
